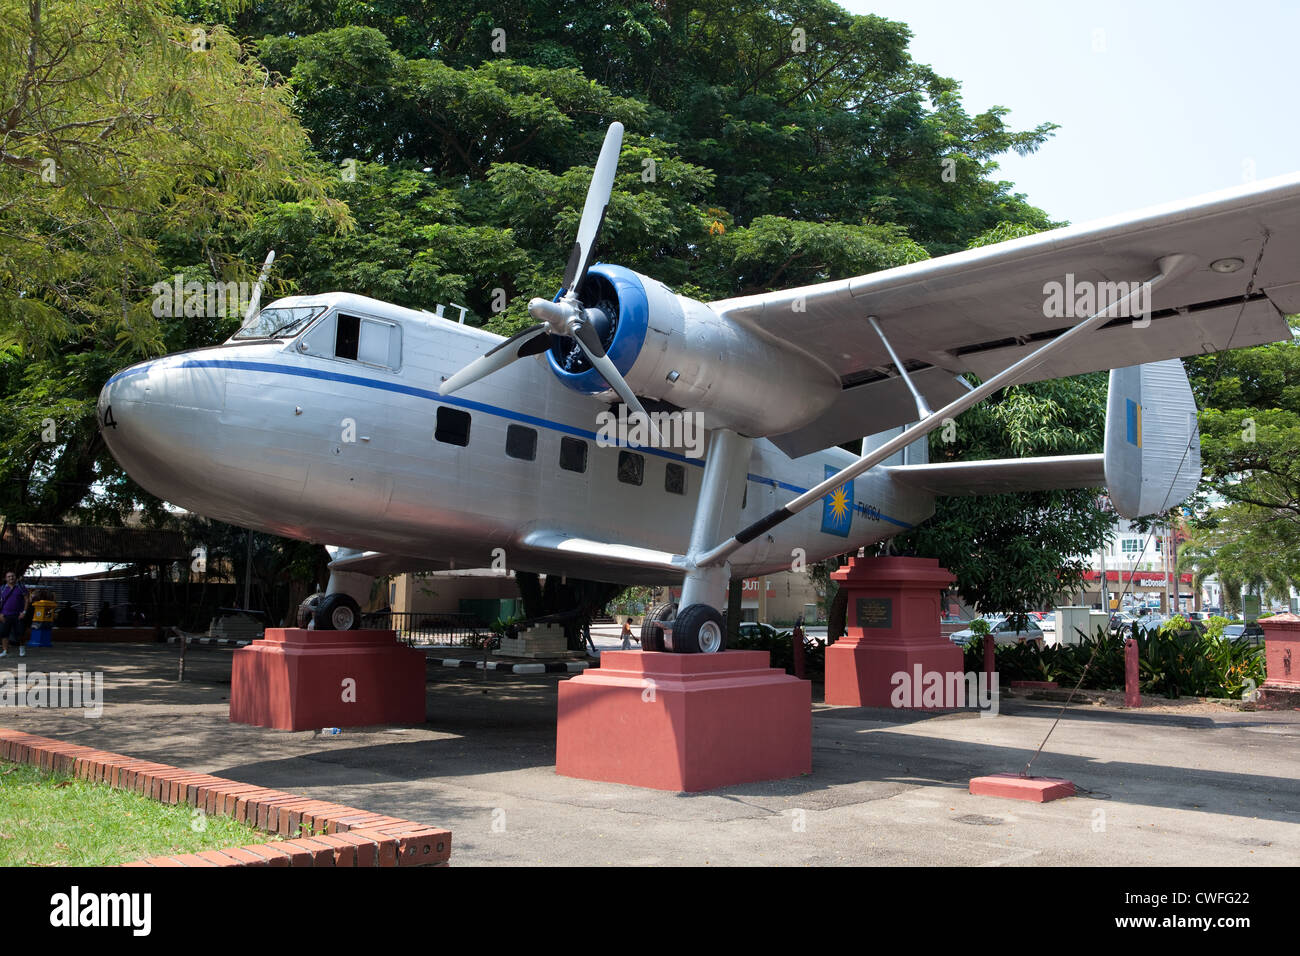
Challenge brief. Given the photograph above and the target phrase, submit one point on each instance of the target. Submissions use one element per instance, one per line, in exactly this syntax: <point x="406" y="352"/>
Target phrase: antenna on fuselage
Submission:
<point x="255" y="301"/>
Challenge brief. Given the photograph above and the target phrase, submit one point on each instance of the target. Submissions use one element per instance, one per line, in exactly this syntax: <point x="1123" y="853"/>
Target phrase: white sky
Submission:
<point x="1183" y="98"/>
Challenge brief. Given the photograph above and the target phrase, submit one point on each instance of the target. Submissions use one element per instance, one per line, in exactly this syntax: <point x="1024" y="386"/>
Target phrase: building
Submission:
<point x="778" y="599"/>
<point x="1141" y="566"/>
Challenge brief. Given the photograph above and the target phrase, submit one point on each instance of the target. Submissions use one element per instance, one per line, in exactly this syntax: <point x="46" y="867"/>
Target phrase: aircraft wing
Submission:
<point x="980" y="310"/>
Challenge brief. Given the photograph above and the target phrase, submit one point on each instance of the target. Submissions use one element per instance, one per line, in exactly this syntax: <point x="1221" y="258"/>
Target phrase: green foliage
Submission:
<point x="52" y="819"/>
<point x="1250" y="449"/>
<point x="136" y="146"/>
<point x="1174" y="661"/>
<point x="1018" y="551"/>
<point x="780" y="648"/>
<point x="387" y="149"/>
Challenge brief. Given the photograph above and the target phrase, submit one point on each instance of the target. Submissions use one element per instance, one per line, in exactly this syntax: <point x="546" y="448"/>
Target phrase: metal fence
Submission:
<point x="441" y="628"/>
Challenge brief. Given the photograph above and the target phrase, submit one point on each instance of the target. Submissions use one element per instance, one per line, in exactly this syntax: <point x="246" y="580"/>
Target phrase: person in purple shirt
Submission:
<point x="13" y="613"/>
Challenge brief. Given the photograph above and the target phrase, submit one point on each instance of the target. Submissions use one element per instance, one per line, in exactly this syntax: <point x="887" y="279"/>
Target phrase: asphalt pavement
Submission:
<point x="1194" y="785"/>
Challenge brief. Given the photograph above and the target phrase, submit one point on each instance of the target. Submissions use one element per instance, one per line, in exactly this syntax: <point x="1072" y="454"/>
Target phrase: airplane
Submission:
<point x="412" y="442"/>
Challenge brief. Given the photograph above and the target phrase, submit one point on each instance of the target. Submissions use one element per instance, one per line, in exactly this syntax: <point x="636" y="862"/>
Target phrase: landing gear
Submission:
<point x="699" y="629"/>
<point x="652" y="635"/>
<point x="337" y="612"/>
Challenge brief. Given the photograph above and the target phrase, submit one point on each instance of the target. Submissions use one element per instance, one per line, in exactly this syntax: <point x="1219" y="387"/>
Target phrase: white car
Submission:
<point x="1003" y="632"/>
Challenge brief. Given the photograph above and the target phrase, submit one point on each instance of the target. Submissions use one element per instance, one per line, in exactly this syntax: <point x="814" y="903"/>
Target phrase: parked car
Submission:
<point x="1003" y="632"/>
<point x="756" y="629"/>
<point x="1121" y="621"/>
<point x="1251" y="632"/>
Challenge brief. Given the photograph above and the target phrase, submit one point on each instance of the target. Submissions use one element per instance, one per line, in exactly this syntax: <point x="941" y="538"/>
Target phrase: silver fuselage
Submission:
<point x="295" y="442"/>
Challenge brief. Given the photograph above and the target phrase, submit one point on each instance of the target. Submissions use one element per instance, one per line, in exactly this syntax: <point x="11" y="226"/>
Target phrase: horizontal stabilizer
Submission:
<point x="1000" y="476"/>
<point x="1152" y="460"/>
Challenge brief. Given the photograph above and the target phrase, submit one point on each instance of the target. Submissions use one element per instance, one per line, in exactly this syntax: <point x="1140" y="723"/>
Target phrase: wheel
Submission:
<point x="699" y="629"/>
<point x="652" y="635"/>
<point x="307" y="610"/>
<point x="337" y="612"/>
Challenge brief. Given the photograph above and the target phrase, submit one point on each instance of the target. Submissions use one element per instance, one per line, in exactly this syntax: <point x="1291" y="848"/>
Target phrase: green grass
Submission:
<point x="49" y="819"/>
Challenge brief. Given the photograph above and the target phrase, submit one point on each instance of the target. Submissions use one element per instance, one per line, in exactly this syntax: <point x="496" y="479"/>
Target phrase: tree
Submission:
<point x="1015" y="552"/>
<point x="1247" y="514"/>
<point x="766" y="146"/>
<point x="134" y="144"/>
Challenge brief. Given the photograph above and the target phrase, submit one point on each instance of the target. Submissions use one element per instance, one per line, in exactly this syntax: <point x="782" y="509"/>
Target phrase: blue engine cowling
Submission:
<point x="619" y="294"/>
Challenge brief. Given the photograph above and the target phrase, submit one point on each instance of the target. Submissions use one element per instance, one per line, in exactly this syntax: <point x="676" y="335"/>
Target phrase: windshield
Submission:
<point x="279" y="321"/>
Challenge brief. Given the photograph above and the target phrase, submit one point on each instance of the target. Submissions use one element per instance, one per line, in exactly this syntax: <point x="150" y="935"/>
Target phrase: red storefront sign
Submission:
<point x="1142" y="579"/>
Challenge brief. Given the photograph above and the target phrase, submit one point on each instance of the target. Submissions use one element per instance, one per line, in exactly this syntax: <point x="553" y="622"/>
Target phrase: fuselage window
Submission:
<point x="453" y="425"/>
<point x="521" y="443"/>
<point x="369" y="341"/>
<point x="373" y="343"/>
<point x="675" y="479"/>
<point x="573" y="454"/>
<point x="346" y="337"/>
<point x="631" y="467"/>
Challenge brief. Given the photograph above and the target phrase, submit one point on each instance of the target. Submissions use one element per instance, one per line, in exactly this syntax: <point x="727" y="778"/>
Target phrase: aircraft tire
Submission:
<point x="337" y="612"/>
<point x="699" y="629"/>
<point x="652" y="635"/>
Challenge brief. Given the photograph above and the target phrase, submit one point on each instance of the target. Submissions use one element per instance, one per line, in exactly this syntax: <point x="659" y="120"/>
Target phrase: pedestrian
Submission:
<point x="14" y="602"/>
<point x="627" y="634"/>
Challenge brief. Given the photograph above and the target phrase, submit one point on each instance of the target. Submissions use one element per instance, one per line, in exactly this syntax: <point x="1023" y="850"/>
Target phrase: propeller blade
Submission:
<point x="590" y="339"/>
<point x="600" y="361"/>
<point x="593" y="212"/>
<point x="520" y="345"/>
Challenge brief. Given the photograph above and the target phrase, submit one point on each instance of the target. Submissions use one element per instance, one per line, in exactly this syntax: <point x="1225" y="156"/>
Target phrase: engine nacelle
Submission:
<point x="674" y="349"/>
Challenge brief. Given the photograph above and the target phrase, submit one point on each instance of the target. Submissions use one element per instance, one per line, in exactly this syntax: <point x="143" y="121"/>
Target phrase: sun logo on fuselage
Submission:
<point x="837" y="508"/>
<point x="839" y="505"/>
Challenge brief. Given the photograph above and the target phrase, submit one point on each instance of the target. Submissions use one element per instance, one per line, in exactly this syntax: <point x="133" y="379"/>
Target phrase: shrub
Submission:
<point x="780" y="648"/>
<point x="1174" y="661"/>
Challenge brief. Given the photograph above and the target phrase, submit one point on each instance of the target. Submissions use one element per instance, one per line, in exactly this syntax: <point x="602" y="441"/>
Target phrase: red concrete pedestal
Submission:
<point x="1014" y="787"/>
<point x="892" y="628"/>
<point x="1281" y="661"/>
<point x="295" y="679"/>
<point x="684" y="722"/>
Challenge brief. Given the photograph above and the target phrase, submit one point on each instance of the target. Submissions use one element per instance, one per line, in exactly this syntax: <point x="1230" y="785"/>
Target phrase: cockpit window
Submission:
<point x="279" y="322"/>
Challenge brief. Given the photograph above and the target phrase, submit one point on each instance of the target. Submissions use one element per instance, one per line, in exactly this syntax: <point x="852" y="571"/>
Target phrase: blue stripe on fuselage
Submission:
<point x="417" y="392"/>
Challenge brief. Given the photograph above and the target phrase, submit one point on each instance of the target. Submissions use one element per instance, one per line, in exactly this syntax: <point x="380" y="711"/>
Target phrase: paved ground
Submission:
<point x="1169" y="787"/>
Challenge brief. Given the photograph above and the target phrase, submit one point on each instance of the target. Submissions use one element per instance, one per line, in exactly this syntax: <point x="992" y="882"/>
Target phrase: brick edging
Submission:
<point x="352" y="837"/>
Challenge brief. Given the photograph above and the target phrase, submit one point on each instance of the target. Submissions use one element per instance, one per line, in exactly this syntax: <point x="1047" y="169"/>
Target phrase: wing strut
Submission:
<point x="1008" y="376"/>
<point x="922" y="409"/>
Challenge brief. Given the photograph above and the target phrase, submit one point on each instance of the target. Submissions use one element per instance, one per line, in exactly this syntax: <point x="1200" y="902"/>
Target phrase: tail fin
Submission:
<point x="1153" y="448"/>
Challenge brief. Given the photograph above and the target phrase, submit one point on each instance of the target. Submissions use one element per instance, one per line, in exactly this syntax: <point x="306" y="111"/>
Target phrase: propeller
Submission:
<point x="565" y="315"/>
